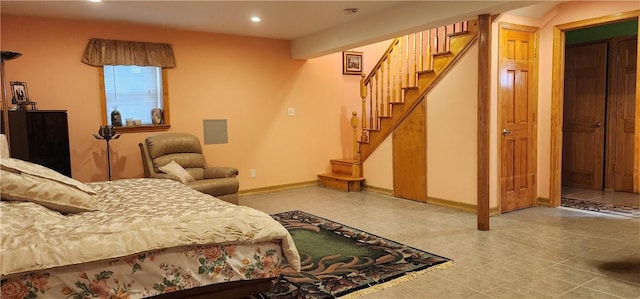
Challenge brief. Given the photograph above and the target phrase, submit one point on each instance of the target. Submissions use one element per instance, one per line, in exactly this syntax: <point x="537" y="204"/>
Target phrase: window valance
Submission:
<point x="101" y="52"/>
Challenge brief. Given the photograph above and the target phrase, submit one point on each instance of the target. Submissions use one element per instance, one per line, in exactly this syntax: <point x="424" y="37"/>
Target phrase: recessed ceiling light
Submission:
<point x="95" y="0"/>
<point x="255" y="19"/>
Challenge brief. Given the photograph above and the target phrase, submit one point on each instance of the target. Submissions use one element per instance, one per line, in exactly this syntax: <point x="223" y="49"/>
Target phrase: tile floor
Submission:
<point x="625" y="199"/>
<point x="604" y="201"/>
<point x="531" y="253"/>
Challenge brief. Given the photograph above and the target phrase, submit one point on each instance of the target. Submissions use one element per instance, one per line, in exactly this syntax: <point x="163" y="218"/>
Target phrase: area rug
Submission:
<point x="342" y="261"/>
<point x="599" y="207"/>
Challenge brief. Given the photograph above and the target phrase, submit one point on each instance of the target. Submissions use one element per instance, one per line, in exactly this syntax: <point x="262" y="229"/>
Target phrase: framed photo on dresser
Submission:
<point x="19" y="93"/>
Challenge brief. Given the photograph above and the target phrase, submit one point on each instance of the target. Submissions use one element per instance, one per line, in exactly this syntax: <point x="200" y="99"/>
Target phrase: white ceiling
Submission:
<point x="314" y="27"/>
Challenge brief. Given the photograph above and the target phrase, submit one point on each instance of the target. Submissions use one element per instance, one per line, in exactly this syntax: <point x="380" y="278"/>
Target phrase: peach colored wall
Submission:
<point x="378" y="168"/>
<point x="451" y="133"/>
<point x="248" y="81"/>
<point x="567" y="12"/>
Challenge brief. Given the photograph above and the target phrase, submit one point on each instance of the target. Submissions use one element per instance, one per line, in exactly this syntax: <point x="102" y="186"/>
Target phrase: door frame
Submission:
<point x="533" y="94"/>
<point x="557" y="102"/>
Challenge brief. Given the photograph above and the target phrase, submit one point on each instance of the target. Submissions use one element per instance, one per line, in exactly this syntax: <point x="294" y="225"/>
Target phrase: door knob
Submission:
<point x="597" y="124"/>
<point x="506" y="132"/>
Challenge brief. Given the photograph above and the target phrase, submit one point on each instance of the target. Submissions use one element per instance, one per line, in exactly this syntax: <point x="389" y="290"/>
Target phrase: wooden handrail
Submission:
<point x="367" y="79"/>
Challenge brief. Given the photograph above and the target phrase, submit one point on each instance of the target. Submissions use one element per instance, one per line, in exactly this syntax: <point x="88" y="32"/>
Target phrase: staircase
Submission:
<point x="342" y="176"/>
<point x="399" y="82"/>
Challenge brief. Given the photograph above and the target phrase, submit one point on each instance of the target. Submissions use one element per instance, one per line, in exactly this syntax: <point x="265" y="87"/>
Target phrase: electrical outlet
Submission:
<point x="291" y="111"/>
<point x="253" y="173"/>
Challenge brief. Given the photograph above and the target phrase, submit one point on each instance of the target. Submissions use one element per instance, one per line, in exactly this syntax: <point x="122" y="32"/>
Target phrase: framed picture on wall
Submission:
<point x="19" y="94"/>
<point x="351" y="63"/>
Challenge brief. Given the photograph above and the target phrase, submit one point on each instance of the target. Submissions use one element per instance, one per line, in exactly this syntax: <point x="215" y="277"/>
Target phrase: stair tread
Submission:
<point x="340" y="176"/>
<point x="342" y="160"/>
<point x="441" y="53"/>
<point x="458" y="33"/>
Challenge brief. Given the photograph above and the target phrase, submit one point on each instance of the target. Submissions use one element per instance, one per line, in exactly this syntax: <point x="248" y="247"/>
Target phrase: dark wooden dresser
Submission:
<point x="41" y="137"/>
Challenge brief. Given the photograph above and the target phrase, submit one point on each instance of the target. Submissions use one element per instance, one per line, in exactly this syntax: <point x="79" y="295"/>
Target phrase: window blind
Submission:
<point x="133" y="90"/>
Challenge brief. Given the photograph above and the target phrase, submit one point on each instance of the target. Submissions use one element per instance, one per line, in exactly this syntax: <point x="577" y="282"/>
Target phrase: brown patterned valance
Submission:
<point x="100" y="52"/>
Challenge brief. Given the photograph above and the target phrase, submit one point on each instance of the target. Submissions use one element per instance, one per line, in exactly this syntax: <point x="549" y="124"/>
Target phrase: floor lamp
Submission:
<point x="6" y="55"/>
<point x="107" y="133"/>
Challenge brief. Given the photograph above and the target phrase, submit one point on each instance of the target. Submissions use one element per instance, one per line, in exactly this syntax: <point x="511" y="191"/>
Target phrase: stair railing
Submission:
<point x="398" y="69"/>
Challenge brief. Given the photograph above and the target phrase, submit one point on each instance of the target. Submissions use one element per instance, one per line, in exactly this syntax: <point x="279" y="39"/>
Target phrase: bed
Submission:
<point x="131" y="238"/>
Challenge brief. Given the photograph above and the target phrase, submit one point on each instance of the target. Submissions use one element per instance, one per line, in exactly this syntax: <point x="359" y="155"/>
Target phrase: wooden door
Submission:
<point x="624" y="96"/>
<point x="584" y="116"/>
<point x="410" y="156"/>
<point x="517" y="62"/>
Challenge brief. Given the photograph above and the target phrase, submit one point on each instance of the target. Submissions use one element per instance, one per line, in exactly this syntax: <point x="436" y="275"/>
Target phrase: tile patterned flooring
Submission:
<point x="625" y="199"/>
<point x="620" y="203"/>
<point x="532" y="253"/>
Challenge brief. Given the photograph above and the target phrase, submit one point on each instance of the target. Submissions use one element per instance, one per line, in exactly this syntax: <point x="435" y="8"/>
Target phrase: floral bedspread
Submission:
<point x="135" y="216"/>
<point x="153" y="273"/>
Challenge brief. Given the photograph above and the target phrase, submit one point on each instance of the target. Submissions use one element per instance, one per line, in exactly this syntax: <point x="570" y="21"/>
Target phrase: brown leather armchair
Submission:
<point x="185" y="149"/>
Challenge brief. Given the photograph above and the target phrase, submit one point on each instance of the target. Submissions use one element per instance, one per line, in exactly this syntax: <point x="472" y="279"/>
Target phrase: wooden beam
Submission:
<point x="484" y="80"/>
<point x="636" y="142"/>
<point x="557" y="102"/>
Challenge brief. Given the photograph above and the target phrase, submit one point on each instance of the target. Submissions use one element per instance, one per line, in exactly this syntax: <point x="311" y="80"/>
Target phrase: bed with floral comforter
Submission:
<point x="145" y="237"/>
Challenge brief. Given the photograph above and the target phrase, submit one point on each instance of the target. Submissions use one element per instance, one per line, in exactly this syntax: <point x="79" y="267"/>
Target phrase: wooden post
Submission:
<point x="355" y="168"/>
<point x="370" y="105"/>
<point x="636" y="142"/>
<point x="406" y="38"/>
<point x="377" y="111"/>
<point x="429" y="51"/>
<point x="400" y="68"/>
<point x="420" y="61"/>
<point x="414" y="75"/>
<point x="382" y="105"/>
<point x="446" y="39"/>
<point x="436" y="38"/>
<point x="395" y="72"/>
<point x="389" y="74"/>
<point x="484" y="80"/>
<point x="363" y="96"/>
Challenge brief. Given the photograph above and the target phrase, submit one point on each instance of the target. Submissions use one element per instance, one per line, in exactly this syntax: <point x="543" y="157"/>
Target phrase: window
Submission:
<point x="134" y="91"/>
<point x="133" y="79"/>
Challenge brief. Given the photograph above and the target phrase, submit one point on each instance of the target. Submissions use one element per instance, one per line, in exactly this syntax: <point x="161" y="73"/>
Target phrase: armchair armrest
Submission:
<point x="220" y="172"/>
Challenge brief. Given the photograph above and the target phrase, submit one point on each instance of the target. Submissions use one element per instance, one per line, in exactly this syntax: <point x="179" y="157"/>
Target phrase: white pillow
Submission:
<point x="19" y="166"/>
<point x="173" y="168"/>
<point x="47" y="193"/>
